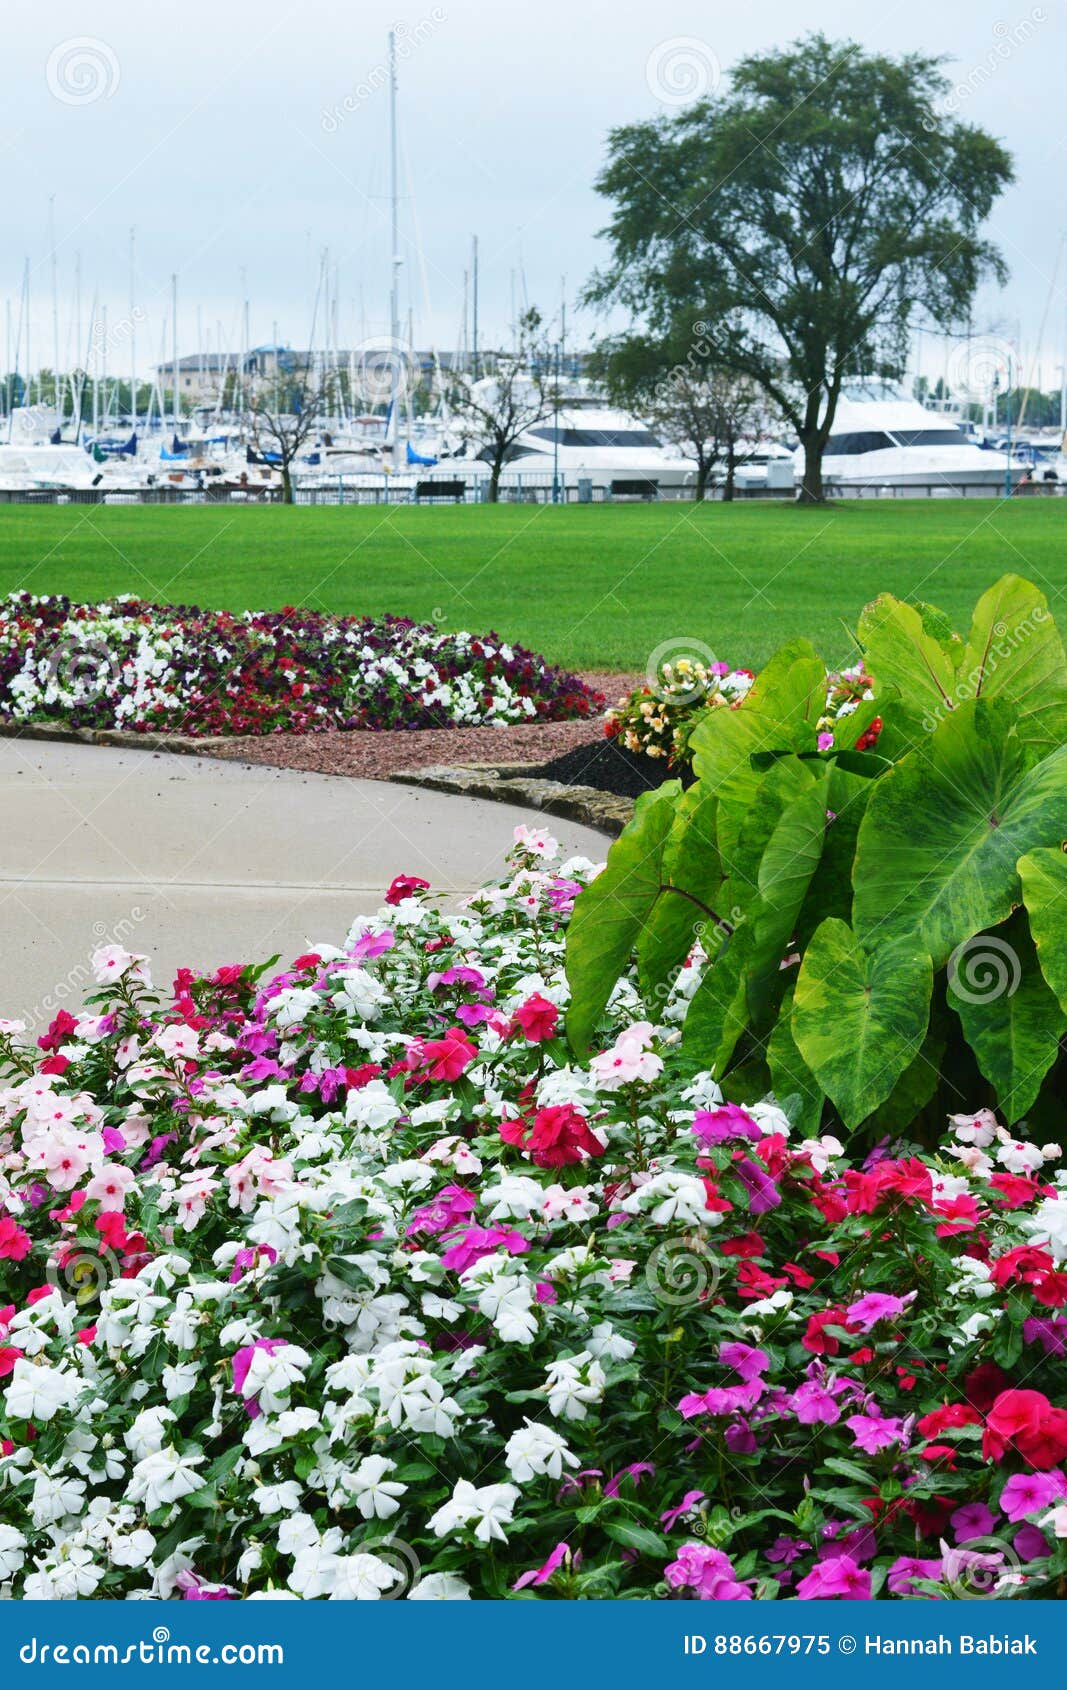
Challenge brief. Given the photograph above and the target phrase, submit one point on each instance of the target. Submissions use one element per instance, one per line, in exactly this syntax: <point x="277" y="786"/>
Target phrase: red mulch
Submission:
<point x="375" y="756"/>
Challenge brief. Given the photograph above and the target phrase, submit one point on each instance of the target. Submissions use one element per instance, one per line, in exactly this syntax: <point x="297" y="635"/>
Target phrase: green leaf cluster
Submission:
<point x="885" y="930"/>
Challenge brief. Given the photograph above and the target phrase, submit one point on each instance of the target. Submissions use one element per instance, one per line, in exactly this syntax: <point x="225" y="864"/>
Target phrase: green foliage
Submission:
<point x="885" y="931"/>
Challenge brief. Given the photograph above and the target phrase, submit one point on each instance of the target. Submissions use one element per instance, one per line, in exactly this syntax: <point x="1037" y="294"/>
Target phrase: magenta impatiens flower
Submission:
<point x="707" y="1572"/>
<point x="876" y="1306"/>
<point x="1025" y="1493"/>
<point x="906" y="1570"/>
<point x="874" y="1431"/>
<point x="686" y="1506"/>
<point x="541" y="1575"/>
<point x="972" y="1521"/>
<point x="812" y="1403"/>
<point x="838" y="1575"/>
<point x="748" y="1363"/>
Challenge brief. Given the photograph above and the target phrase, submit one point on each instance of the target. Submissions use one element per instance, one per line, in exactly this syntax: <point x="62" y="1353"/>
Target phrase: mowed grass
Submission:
<point x="590" y="586"/>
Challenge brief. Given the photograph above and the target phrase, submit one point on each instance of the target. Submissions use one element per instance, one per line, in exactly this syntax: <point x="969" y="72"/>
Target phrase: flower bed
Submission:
<point x="348" y="1283"/>
<point x="657" y="719"/>
<point x="178" y="669"/>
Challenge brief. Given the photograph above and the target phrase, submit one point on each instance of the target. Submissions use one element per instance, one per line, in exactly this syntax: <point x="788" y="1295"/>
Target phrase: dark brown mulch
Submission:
<point x="609" y="767"/>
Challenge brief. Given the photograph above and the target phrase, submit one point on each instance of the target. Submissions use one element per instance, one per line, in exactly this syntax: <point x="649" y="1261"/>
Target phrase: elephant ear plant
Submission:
<point x="885" y="929"/>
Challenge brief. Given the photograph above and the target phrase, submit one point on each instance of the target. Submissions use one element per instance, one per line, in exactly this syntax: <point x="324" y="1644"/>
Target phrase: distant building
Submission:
<point x="203" y="376"/>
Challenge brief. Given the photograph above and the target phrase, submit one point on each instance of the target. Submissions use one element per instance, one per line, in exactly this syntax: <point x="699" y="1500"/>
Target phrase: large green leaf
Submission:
<point x="1044" y="881"/>
<point x="1011" y="1019"/>
<point x="1014" y="651"/>
<point x="943" y="831"/>
<point x="859" y="1016"/>
<point x="779" y="713"/>
<point x="690" y="865"/>
<point x="830" y="892"/>
<point x="795" y="1086"/>
<point x="718" y="1010"/>
<point x="609" y="914"/>
<point x="910" y="649"/>
<point x="741" y="848"/>
<point x="785" y="872"/>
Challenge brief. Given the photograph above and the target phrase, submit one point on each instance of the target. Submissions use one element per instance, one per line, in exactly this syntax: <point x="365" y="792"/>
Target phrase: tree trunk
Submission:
<point x="287" y="486"/>
<point x="701" y="489"/>
<point x="731" y="470"/>
<point x="494" y="485"/>
<point x="811" y="488"/>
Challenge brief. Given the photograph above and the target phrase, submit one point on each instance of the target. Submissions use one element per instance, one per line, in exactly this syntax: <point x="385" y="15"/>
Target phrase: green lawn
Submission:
<point x="591" y="586"/>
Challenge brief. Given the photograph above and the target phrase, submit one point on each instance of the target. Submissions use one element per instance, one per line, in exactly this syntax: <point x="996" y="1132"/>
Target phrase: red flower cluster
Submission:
<point x="553" y="1137"/>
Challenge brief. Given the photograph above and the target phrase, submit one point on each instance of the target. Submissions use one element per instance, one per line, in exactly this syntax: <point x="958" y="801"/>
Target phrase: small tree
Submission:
<point x="518" y="395"/>
<point x="711" y="414"/>
<point x="283" y="414"/>
<point x="811" y="213"/>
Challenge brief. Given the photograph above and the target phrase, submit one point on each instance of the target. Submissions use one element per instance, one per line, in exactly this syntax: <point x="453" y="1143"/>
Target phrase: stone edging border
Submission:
<point x="187" y="744"/>
<point x="512" y="783"/>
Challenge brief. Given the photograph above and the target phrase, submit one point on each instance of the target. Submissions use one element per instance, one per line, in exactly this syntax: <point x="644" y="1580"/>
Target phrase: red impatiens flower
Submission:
<point x="14" y="1243"/>
<point x="1027" y="1423"/>
<point x="405" y="886"/>
<point x="554" y="1137"/>
<point x="59" y="1032"/>
<point x="817" y="1339"/>
<point x="537" y="1018"/>
<point x="444" y="1058"/>
<point x="949" y="1417"/>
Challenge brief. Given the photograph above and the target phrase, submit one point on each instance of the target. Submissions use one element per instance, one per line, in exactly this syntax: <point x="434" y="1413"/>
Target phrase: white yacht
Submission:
<point x="881" y="438"/>
<point x="30" y="467"/>
<point x="587" y="439"/>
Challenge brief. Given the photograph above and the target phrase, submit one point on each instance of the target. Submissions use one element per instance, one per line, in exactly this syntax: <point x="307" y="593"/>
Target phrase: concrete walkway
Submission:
<point x="198" y="862"/>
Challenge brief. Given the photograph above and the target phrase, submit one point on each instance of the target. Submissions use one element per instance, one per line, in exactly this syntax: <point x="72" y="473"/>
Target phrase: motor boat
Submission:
<point x="882" y="438"/>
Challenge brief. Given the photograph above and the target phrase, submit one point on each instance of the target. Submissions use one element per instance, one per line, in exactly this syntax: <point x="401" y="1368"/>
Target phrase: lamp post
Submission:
<point x="555" y="431"/>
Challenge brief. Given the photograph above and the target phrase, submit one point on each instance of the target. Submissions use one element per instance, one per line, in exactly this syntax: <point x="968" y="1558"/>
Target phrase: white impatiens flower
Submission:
<point x="573" y="1384"/>
<point x="38" y="1393"/>
<point x="488" y="1508"/>
<point x="149" y="1432"/>
<point x="536" y="1452"/>
<point x="440" y="1587"/>
<point x="12" y="1551"/>
<point x="361" y="1578"/>
<point x="164" y="1477"/>
<point x="373" y="1494"/>
<point x="271" y="1375"/>
<point x="672" y="1196"/>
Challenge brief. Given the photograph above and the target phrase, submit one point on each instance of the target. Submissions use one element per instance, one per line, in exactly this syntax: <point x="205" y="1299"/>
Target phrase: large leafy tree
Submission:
<point x="808" y="216"/>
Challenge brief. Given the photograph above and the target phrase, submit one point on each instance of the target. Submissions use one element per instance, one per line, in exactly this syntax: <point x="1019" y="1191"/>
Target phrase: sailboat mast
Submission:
<point x="174" y="346"/>
<point x="133" y="328"/>
<point x="55" y="305"/>
<point x="394" y="292"/>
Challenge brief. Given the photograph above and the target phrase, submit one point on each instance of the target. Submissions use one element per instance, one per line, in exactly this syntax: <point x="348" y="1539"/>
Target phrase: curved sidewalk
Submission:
<point x="200" y="862"/>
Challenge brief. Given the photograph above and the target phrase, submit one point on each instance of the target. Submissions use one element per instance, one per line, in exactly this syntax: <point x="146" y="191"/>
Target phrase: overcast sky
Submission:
<point x="240" y="139"/>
